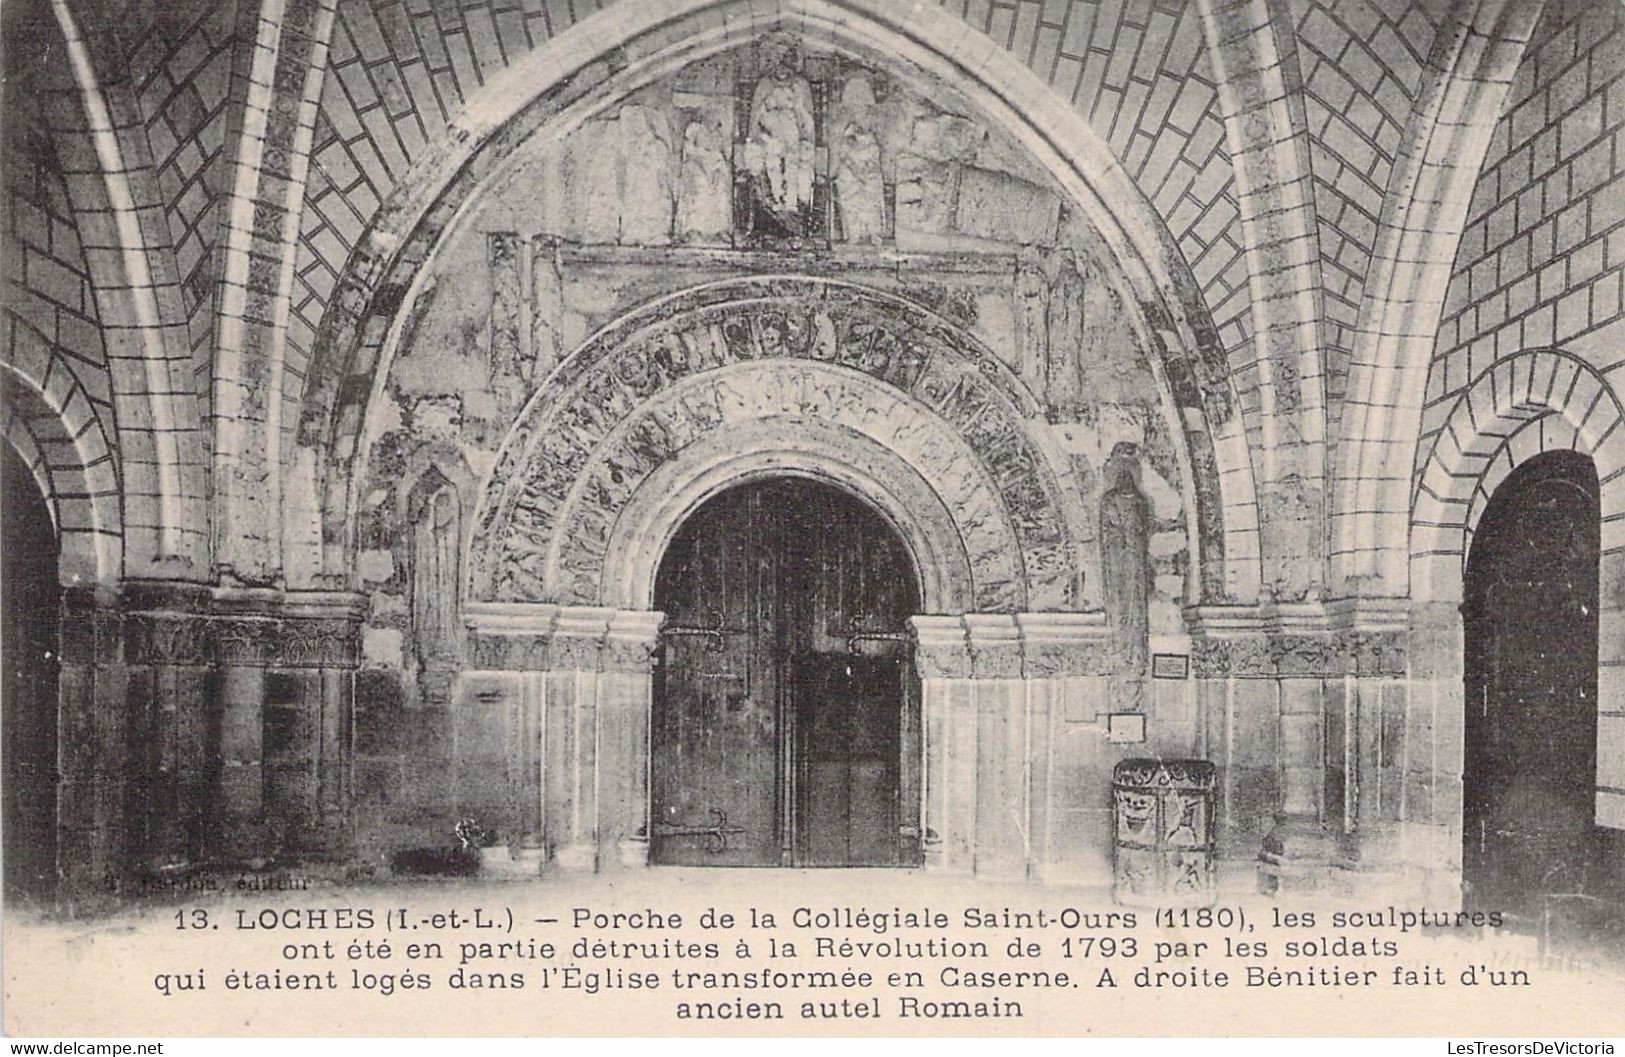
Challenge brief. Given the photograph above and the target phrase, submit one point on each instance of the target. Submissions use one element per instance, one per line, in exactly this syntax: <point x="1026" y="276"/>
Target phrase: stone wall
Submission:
<point x="1528" y="360"/>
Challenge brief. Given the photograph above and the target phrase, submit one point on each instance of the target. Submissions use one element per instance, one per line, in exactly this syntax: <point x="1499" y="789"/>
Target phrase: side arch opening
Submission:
<point x="1530" y="616"/>
<point x="29" y="659"/>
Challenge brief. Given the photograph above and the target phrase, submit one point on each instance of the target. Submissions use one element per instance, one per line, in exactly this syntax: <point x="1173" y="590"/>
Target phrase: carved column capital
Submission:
<point x="543" y="636"/>
<point x="940" y="647"/>
<point x="1012" y="646"/>
<point x="633" y="638"/>
<point x="1056" y="645"/>
<point x="1328" y="640"/>
<point x="510" y="636"/>
<point x="190" y="625"/>
<point x="578" y="638"/>
<point x="995" y="645"/>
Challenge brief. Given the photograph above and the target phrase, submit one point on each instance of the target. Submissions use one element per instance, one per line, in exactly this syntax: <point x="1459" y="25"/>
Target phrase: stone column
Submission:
<point x="319" y="655"/>
<point x="627" y="693"/>
<point x="1003" y="823"/>
<point x="1272" y="663"/>
<point x="1299" y="848"/>
<point x="942" y="658"/>
<point x="1230" y="661"/>
<point x="1286" y="687"/>
<point x="570" y="765"/>
<point x="1369" y="850"/>
<point x="509" y="648"/>
<point x="284" y="675"/>
<point x="1413" y="736"/>
<point x="92" y="747"/>
<point x="167" y="650"/>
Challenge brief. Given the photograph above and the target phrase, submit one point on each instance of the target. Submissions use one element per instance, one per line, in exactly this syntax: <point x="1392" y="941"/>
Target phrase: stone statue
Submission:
<point x="1031" y="317"/>
<point x="1063" y="388"/>
<point x="1125" y="558"/>
<point x="704" y="190"/>
<point x="859" y="186"/>
<point x="860" y="183"/>
<point x="779" y="147"/>
<point x="435" y="546"/>
<point x="647" y="184"/>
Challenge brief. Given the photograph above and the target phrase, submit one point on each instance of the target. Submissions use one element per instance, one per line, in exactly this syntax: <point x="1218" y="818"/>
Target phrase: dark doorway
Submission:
<point x="29" y="601"/>
<point x="1530" y="615"/>
<point x="786" y="727"/>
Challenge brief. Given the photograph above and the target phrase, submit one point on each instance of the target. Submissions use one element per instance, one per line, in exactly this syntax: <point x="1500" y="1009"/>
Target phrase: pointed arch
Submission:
<point x="563" y="82"/>
<point x="1423" y="216"/>
<point x="136" y="287"/>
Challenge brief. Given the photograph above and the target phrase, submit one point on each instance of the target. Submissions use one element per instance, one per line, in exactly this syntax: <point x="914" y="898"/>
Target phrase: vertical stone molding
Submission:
<point x="627" y="692"/>
<point x="993" y="689"/>
<point x="942" y="659"/>
<point x="93" y="780"/>
<point x="202" y="727"/>
<point x="1295" y="698"/>
<point x="1002" y="824"/>
<point x="577" y="682"/>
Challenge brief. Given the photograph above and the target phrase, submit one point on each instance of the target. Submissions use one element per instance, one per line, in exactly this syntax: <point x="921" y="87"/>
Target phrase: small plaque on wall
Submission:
<point x="1170" y="666"/>
<point x="1125" y="728"/>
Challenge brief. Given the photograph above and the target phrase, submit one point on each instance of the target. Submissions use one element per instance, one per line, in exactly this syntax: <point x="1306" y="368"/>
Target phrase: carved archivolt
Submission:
<point x="648" y="389"/>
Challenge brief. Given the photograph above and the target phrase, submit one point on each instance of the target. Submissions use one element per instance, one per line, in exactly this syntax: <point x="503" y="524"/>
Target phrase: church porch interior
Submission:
<point x="794" y="436"/>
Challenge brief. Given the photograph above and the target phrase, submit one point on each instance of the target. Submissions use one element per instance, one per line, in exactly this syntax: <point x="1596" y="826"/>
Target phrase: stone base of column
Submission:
<point x="633" y="852"/>
<point x="576" y="858"/>
<point x="1002" y="869"/>
<point x="1296" y="857"/>
<point x="505" y="862"/>
<point x="1368" y="862"/>
<point x="932" y="857"/>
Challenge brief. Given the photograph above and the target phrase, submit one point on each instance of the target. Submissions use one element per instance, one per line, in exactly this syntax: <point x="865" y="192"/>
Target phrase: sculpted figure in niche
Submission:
<point x="1126" y="576"/>
<point x="1063" y="387"/>
<point x="646" y="202"/>
<point x="860" y="189"/>
<point x="779" y="148"/>
<point x="547" y="308"/>
<point x="1032" y="324"/>
<point x="704" y="194"/>
<point x="436" y="537"/>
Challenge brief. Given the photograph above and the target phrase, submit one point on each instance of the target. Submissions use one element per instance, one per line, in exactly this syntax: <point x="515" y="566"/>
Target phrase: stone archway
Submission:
<point x="643" y="398"/>
<point x="791" y="446"/>
<point x="551" y="94"/>
<point x="734" y="382"/>
<point x="1530" y="657"/>
<point x="1531" y="403"/>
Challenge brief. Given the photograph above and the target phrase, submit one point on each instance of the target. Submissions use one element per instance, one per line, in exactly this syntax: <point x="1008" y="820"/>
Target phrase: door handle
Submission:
<point x="714" y="630"/>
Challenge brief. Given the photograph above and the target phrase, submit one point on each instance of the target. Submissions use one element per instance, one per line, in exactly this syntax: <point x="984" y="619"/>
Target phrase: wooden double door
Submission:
<point x="1530" y="616"/>
<point x="786" y="727"/>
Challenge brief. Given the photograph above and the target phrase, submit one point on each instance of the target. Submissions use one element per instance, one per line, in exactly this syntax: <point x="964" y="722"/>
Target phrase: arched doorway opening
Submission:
<point x="28" y="669"/>
<point x="786" y="715"/>
<point x="1530" y="621"/>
